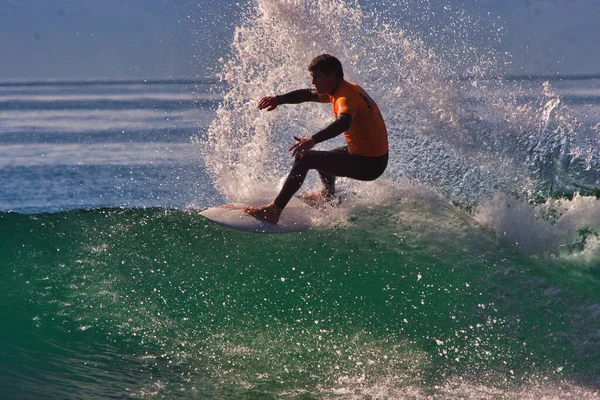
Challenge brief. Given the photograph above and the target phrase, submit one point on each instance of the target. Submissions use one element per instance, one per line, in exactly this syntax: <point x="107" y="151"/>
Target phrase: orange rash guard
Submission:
<point x="367" y="135"/>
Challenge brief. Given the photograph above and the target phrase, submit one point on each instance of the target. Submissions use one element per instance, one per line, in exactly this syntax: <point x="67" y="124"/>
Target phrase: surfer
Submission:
<point x="365" y="155"/>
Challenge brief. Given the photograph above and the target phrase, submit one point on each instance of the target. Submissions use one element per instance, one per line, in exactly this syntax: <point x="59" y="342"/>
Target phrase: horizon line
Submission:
<point x="15" y="82"/>
<point x="106" y="81"/>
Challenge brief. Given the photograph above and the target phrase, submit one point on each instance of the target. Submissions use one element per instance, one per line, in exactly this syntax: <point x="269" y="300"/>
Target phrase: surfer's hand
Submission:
<point x="302" y="145"/>
<point x="268" y="102"/>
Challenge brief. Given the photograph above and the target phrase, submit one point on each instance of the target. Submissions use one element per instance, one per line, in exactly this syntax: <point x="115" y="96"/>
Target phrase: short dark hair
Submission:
<point x="327" y="64"/>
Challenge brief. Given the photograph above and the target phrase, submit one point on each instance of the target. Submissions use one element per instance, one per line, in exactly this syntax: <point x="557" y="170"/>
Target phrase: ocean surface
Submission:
<point x="470" y="270"/>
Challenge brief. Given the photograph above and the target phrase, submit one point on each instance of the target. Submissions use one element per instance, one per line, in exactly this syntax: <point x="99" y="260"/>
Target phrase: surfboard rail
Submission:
<point x="294" y="218"/>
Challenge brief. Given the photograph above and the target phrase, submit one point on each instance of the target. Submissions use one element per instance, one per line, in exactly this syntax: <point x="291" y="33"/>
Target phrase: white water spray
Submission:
<point x="467" y="138"/>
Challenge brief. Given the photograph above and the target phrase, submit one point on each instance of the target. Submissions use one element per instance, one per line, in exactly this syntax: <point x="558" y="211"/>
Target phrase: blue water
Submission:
<point x="78" y="145"/>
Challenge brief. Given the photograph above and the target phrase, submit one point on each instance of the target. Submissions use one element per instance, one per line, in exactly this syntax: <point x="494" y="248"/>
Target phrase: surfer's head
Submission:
<point x="326" y="72"/>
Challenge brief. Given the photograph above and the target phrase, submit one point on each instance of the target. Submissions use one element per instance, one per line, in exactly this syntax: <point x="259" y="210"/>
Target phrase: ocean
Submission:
<point x="469" y="270"/>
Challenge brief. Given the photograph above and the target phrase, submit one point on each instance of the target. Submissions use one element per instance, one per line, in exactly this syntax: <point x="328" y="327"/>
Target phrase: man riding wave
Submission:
<point x="357" y="116"/>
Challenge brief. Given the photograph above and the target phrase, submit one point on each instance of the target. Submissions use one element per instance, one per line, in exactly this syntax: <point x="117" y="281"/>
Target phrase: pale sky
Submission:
<point x="184" y="38"/>
<point x="113" y="38"/>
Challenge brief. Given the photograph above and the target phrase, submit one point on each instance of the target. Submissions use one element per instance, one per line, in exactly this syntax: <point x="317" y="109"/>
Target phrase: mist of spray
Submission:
<point x="452" y="125"/>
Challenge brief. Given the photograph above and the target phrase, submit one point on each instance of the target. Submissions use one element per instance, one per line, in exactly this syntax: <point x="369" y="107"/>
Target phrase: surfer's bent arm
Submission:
<point x="340" y="125"/>
<point x="298" y="96"/>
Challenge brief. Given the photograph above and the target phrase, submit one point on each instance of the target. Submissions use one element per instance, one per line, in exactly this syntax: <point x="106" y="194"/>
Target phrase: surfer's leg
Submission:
<point x="335" y="163"/>
<point x="294" y="180"/>
<point x="328" y="179"/>
<point x="331" y="163"/>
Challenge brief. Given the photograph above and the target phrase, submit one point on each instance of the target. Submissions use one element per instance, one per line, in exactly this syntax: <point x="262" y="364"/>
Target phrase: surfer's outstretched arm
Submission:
<point x="298" y="96"/>
<point x="293" y="97"/>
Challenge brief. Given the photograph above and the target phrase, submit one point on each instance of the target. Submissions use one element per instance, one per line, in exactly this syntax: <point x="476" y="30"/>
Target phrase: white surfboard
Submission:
<point x="295" y="217"/>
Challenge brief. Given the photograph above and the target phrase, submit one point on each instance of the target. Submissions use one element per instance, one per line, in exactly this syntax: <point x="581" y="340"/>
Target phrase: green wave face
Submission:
<point x="405" y="301"/>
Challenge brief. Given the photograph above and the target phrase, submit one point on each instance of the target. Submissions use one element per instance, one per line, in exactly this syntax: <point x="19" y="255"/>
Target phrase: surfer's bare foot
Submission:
<point x="316" y="199"/>
<point x="269" y="213"/>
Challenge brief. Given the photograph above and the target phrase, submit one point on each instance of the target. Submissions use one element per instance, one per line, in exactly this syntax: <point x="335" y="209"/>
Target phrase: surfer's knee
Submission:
<point x="302" y="161"/>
